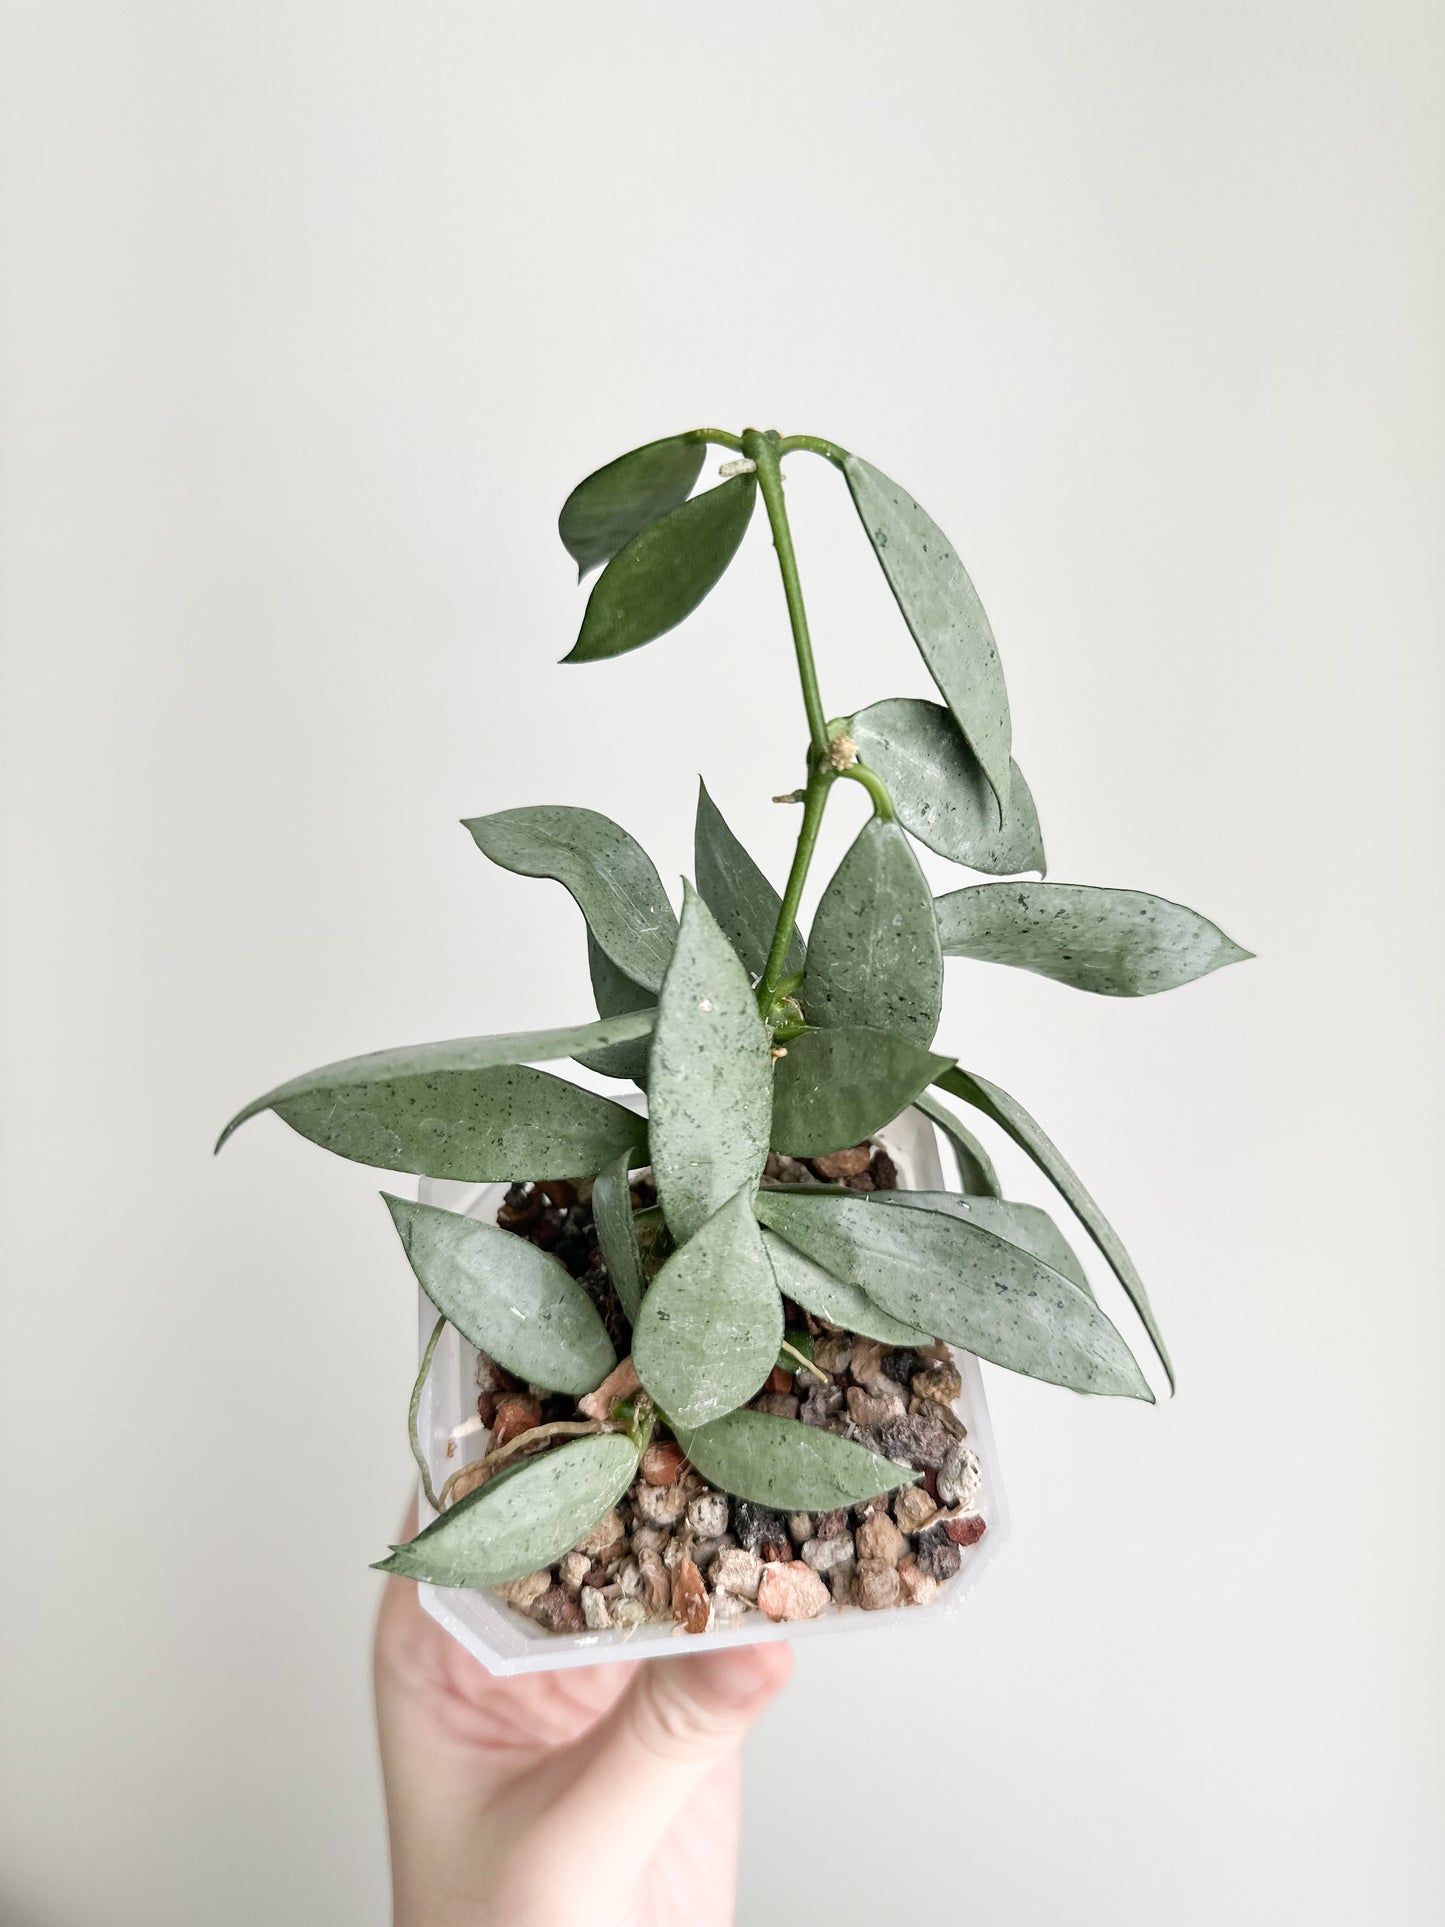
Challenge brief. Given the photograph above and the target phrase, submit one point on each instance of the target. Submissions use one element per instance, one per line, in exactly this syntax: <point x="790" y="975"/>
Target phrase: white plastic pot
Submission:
<point x="506" y="1641"/>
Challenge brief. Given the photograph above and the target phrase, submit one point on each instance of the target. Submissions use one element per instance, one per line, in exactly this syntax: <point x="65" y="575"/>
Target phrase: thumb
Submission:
<point x="676" y="1724"/>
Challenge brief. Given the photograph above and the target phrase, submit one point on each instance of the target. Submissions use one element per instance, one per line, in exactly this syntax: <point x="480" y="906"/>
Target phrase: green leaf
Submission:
<point x="507" y="1297"/>
<point x="873" y="956"/>
<point x="710" y="1078"/>
<point x="610" y="876"/>
<point x="956" y="1279"/>
<point x="975" y="1167"/>
<point x="834" y="1087"/>
<point x="733" y="887"/>
<point x="1020" y="1224"/>
<point x="940" y="791"/>
<point x="1118" y="943"/>
<point x="1030" y="1136"/>
<point x="616" y="502"/>
<point x="943" y="613"/>
<point x="712" y="1321"/>
<point x="793" y="1467"/>
<point x="514" y="1526"/>
<point x="616" y="1233"/>
<point x="819" y="1292"/>
<point x="422" y="1099"/>
<point x="665" y="571"/>
<point x="617" y="995"/>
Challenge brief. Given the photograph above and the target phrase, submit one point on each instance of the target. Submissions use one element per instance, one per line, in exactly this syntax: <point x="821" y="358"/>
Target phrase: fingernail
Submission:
<point x="739" y="1676"/>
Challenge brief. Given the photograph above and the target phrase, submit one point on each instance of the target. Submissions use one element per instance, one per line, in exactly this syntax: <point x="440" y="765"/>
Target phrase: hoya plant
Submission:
<point x="757" y="1050"/>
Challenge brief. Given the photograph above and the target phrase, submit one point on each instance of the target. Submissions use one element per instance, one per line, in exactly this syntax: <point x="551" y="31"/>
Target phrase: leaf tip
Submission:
<point x="231" y="1129"/>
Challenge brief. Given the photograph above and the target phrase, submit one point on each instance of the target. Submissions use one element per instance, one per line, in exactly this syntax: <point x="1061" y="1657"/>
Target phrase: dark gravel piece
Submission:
<point x="900" y="1366"/>
<point x="936" y="1554"/>
<point x="760" y="1530"/>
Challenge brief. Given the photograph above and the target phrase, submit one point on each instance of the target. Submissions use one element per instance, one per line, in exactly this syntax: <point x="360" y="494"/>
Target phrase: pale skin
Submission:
<point x="608" y="1794"/>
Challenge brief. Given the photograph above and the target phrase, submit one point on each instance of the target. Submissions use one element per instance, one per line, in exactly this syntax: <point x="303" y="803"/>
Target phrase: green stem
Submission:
<point x="814" y="801"/>
<point x="763" y="450"/>
<point x="876" y="788"/>
<point x="722" y="436"/>
<point x="813" y="445"/>
<point x="416" y="1391"/>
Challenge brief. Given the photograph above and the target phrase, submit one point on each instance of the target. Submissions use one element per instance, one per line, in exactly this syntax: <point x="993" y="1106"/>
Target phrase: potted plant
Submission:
<point x="722" y="1354"/>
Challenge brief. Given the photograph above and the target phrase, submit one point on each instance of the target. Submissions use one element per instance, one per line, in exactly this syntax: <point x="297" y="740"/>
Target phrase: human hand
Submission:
<point x="602" y="1794"/>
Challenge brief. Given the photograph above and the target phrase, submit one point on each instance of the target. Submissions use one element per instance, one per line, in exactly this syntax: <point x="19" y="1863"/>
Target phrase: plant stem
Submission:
<point x="814" y="801"/>
<point x="763" y="449"/>
<point x="876" y="788"/>
<point x="722" y="436"/>
<point x="813" y="445"/>
<point x="416" y="1391"/>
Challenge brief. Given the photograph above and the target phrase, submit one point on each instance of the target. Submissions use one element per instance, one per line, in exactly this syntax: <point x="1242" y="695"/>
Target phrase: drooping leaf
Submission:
<point x="616" y="1233"/>
<point x="975" y="1167"/>
<point x="1117" y="943"/>
<point x="603" y="513"/>
<point x="793" y="1467"/>
<point x="963" y="1283"/>
<point x="450" y="1099"/>
<point x="1031" y="1137"/>
<point x="819" y="1292"/>
<point x="836" y="1086"/>
<point x="873" y="956"/>
<point x="710" y="1076"/>
<point x="506" y="1296"/>
<point x="940" y="791"/>
<point x="608" y="873"/>
<point x="711" y="1324"/>
<point x="943" y="613"/>
<point x="665" y="571"/>
<point x="1020" y="1224"/>
<point x="513" y="1526"/>
<point x="733" y="887"/>
<point x="617" y="995"/>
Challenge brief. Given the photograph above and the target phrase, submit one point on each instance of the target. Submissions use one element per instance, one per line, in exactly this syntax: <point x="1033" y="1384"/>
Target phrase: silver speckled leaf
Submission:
<point x="819" y="1292"/>
<point x="446" y="1110"/>
<point x="836" y="1086"/>
<point x="793" y="1467"/>
<point x="1020" y="1224"/>
<point x="940" y="791"/>
<point x="711" y="1324"/>
<point x="512" y="1526"/>
<point x="710" y="1084"/>
<point x="953" y="1278"/>
<point x="617" y="995"/>
<point x="1031" y="1137"/>
<point x="616" y="1233"/>
<point x="733" y="887"/>
<point x="975" y="1167"/>
<point x="611" y="877"/>
<point x="943" y="613"/>
<point x="1117" y="943"/>
<point x="506" y="1296"/>
<point x="873" y="955"/>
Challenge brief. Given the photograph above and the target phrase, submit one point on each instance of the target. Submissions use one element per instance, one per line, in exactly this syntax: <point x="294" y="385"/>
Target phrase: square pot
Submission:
<point x="506" y="1641"/>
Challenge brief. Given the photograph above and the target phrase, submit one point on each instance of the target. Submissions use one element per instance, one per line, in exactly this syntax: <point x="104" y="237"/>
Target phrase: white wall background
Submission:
<point x="312" y="315"/>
